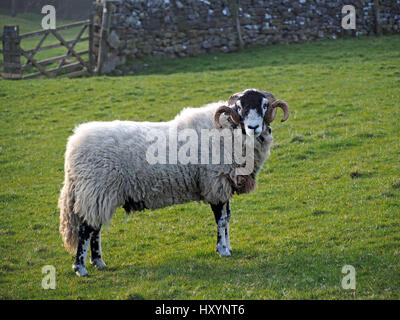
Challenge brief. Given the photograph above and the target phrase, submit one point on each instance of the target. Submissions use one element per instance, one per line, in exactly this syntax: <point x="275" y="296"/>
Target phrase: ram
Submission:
<point x="107" y="166"/>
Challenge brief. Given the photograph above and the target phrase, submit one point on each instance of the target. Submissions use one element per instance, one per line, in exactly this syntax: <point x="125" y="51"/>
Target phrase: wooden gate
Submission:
<point x="96" y="29"/>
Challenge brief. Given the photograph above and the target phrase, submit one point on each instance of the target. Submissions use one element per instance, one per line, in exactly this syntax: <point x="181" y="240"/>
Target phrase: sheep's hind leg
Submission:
<point x="84" y="235"/>
<point x="96" y="258"/>
<point x="220" y="214"/>
<point x="228" y="218"/>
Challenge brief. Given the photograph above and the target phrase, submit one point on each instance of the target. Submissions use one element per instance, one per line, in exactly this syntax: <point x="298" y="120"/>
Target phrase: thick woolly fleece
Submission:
<point x="106" y="167"/>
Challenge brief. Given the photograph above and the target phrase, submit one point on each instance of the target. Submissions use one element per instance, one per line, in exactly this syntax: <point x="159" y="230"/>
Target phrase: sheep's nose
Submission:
<point x="253" y="127"/>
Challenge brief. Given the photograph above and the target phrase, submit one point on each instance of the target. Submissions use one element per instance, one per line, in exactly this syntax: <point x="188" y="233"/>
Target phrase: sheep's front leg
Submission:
<point x="96" y="258"/>
<point x="221" y="218"/>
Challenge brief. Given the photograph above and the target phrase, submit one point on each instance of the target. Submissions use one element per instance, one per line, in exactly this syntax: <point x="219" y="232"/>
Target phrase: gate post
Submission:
<point x="106" y="60"/>
<point x="103" y="36"/>
<point x="91" y="41"/>
<point x="11" y="52"/>
<point x="94" y="35"/>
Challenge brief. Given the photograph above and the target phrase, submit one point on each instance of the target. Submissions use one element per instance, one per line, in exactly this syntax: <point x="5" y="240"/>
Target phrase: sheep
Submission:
<point x="107" y="165"/>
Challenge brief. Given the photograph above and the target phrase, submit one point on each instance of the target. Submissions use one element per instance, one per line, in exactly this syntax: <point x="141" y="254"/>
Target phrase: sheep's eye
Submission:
<point x="239" y="108"/>
<point x="265" y="105"/>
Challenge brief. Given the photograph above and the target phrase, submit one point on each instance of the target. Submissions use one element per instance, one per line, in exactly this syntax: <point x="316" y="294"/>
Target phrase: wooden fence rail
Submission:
<point x="97" y="27"/>
<point x="63" y="27"/>
<point x="12" y="52"/>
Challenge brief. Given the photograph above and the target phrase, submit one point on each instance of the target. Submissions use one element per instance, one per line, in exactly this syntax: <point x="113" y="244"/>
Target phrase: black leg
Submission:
<point x="220" y="214"/>
<point x="95" y="245"/>
<point x="84" y="235"/>
<point x="217" y="210"/>
<point x="96" y="258"/>
<point x="228" y="218"/>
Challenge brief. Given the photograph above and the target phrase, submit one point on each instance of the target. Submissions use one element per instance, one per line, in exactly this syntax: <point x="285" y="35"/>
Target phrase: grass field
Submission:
<point x="329" y="195"/>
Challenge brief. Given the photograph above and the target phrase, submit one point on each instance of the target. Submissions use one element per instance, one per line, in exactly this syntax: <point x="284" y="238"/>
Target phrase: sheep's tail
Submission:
<point x="69" y="220"/>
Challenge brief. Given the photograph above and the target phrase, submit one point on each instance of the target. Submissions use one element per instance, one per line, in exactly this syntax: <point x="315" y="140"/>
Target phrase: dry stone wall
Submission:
<point x="178" y="28"/>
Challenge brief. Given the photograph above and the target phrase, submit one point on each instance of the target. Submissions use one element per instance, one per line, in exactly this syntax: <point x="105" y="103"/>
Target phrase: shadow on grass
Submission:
<point x="300" y="273"/>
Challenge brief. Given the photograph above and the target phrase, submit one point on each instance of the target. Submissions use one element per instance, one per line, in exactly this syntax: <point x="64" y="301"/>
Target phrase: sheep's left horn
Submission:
<point x="271" y="113"/>
<point x="226" y="110"/>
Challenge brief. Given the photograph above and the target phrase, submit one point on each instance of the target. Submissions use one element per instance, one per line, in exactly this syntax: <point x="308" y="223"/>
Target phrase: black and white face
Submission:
<point x="252" y="106"/>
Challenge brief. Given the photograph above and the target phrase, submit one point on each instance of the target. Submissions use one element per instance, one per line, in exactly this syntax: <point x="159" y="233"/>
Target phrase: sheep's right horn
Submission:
<point x="233" y="98"/>
<point x="270" y="115"/>
<point x="226" y="110"/>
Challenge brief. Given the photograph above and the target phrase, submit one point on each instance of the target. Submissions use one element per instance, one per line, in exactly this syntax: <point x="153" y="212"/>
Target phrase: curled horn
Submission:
<point x="233" y="98"/>
<point x="226" y="110"/>
<point x="271" y="113"/>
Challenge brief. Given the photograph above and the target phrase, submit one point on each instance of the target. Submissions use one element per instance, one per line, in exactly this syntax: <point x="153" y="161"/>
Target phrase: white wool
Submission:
<point x="105" y="166"/>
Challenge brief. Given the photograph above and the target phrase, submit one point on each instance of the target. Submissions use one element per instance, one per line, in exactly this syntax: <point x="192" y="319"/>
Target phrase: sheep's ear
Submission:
<point x="233" y="98"/>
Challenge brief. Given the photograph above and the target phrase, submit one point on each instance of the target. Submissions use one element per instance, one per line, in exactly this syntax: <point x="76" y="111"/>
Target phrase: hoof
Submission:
<point x="98" y="263"/>
<point x="80" y="270"/>
<point x="223" y="251"/>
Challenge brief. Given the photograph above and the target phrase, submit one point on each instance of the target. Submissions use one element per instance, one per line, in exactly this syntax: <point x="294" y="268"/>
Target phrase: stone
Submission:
<point x="113" y="40"/>
<point x="179" y="4"/>
<point x="110" y="63"/>
<point x="177" y="28"/>
<point x="224" y="49"/>
<point x="206" y="44"/>
<point x="226" y="12"/>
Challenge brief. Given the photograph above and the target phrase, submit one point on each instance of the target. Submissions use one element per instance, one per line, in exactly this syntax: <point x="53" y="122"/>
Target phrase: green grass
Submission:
<point x="29" y="22"/>
<point x="328" y="196"/>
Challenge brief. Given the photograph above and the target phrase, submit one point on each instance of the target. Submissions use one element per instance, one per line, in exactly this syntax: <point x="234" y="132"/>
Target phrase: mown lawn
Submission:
<point x="329" y="195"/>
